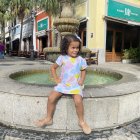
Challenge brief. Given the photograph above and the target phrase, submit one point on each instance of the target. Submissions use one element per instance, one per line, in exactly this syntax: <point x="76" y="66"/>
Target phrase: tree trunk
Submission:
<point x="3" y="31"/>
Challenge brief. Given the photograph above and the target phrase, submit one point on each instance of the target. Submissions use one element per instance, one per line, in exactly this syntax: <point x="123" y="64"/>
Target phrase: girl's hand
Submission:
<point x="80" y="82"/>
<point x="56" y="79"/>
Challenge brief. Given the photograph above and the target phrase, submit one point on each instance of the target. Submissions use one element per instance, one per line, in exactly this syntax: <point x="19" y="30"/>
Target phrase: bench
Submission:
<point x="92" y="57"/>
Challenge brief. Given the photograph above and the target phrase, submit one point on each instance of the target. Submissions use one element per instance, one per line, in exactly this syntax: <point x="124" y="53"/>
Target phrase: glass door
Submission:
<point x="109" y="44"/>
<point x="118" y="45"/>
<point x="114" y="45"/>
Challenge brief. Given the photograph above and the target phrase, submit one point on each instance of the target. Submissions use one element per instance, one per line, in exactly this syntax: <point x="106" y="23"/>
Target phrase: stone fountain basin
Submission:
<point x="106" y="106"/>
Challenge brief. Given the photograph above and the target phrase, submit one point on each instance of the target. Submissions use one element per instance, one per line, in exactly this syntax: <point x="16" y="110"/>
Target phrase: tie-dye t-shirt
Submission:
<point x="70" y="74"/>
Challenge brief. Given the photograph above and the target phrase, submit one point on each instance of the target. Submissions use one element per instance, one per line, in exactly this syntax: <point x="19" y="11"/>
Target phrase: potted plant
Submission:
<point x="131" y="55"/>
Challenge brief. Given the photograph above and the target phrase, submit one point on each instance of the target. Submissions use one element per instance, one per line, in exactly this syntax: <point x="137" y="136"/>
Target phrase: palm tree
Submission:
<point x="65" y="22"/>
<point x="4" y="4"/>
<point x="21" y="8"/>
<point x="63" y="10"/>
<point x="54" y="7"/>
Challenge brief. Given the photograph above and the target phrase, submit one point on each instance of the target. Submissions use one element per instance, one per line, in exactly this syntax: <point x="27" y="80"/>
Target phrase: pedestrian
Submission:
<point x="2" y="49"/>
<point x="73" y="72"/>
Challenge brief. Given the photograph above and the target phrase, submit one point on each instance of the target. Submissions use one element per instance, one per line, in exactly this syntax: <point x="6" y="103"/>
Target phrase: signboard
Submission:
<point x="123" y="11"/>
<point x="42" y="25"/>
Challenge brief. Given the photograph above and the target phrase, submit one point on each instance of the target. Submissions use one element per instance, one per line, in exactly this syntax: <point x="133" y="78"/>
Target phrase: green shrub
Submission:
<point x="131" y="53"/>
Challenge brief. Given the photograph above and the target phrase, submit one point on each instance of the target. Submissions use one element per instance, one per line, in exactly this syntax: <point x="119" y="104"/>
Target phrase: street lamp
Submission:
<point x="33" y="13"/>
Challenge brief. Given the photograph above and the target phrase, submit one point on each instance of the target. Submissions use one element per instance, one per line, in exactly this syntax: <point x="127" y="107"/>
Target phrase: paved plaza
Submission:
<point x="129" y="131"/>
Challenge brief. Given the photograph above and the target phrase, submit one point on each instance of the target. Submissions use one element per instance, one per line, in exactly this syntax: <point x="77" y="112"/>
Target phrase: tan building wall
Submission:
<point x="96" y="24"/>
<point x="94" y="10"/>
<point x="81" y="10"/>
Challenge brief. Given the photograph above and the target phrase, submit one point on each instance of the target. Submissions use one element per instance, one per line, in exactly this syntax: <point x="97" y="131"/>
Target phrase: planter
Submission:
<point x="129" y="61"/>
<point x="131" y="55"/>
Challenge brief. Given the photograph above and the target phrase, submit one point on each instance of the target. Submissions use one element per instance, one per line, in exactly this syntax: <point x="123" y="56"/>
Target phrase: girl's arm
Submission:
<point x="54" y="74"/>
<point x="82" y="77"/>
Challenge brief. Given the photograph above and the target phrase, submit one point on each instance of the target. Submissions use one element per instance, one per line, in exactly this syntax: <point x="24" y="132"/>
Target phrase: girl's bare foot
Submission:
<point x="44" y="122"/>
<point x="85" y="127"/>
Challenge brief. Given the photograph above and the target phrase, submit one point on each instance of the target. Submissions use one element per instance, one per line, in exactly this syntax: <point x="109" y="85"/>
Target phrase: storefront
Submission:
<point x="26" y="35"/>
<point x="110" y="27"/>
<point x="43" y="33"/>
<point x="123" y="29"/>
<point x="15" y="37"/>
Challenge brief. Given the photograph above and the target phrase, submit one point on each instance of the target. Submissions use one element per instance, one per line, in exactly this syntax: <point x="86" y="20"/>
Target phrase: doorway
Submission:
<point x="114" y="45"/>
<point x="83" y="33"/>
<point x="44" y="41"/>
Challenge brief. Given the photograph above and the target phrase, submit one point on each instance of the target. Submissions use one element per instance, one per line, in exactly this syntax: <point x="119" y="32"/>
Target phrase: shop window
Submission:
<point x="118" y="42"/>
<point x="131" y="38"/>
<point x="109" y="41"/>
<point x="82" y="35"/>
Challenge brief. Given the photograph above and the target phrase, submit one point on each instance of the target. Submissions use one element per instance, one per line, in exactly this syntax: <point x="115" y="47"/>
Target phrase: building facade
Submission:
<point x="27" y="32"/>
<point x="36" y="35"/>
<point x="43" y="34"/>
<point x="109" y="26"/>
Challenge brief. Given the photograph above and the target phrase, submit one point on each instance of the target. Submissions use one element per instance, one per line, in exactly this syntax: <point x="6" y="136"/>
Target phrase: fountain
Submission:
<point x="65" y="24"/>
<point x="105" y="104"/>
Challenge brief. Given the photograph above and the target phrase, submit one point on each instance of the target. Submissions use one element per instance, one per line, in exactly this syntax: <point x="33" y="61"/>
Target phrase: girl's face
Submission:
<point x="73" y="48"/>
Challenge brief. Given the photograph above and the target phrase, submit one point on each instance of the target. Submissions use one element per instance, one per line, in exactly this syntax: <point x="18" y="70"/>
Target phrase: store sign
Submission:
<point x="42" y="25"/>
<point x="123" y="11"/>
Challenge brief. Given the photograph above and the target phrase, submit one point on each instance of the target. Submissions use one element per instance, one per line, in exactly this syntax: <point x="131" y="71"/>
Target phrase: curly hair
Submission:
<point x="66" y="42"/>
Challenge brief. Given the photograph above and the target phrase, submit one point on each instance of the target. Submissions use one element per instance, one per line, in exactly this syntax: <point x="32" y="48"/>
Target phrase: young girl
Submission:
<point x="73" y="71"/>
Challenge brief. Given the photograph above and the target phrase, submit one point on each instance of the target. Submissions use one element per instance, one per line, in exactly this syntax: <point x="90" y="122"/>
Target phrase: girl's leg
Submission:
<point x="79" y="107"/>
<point x="80" y="113"/>
<point x="51" y="104"/>
<point x="52" y="100"/>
